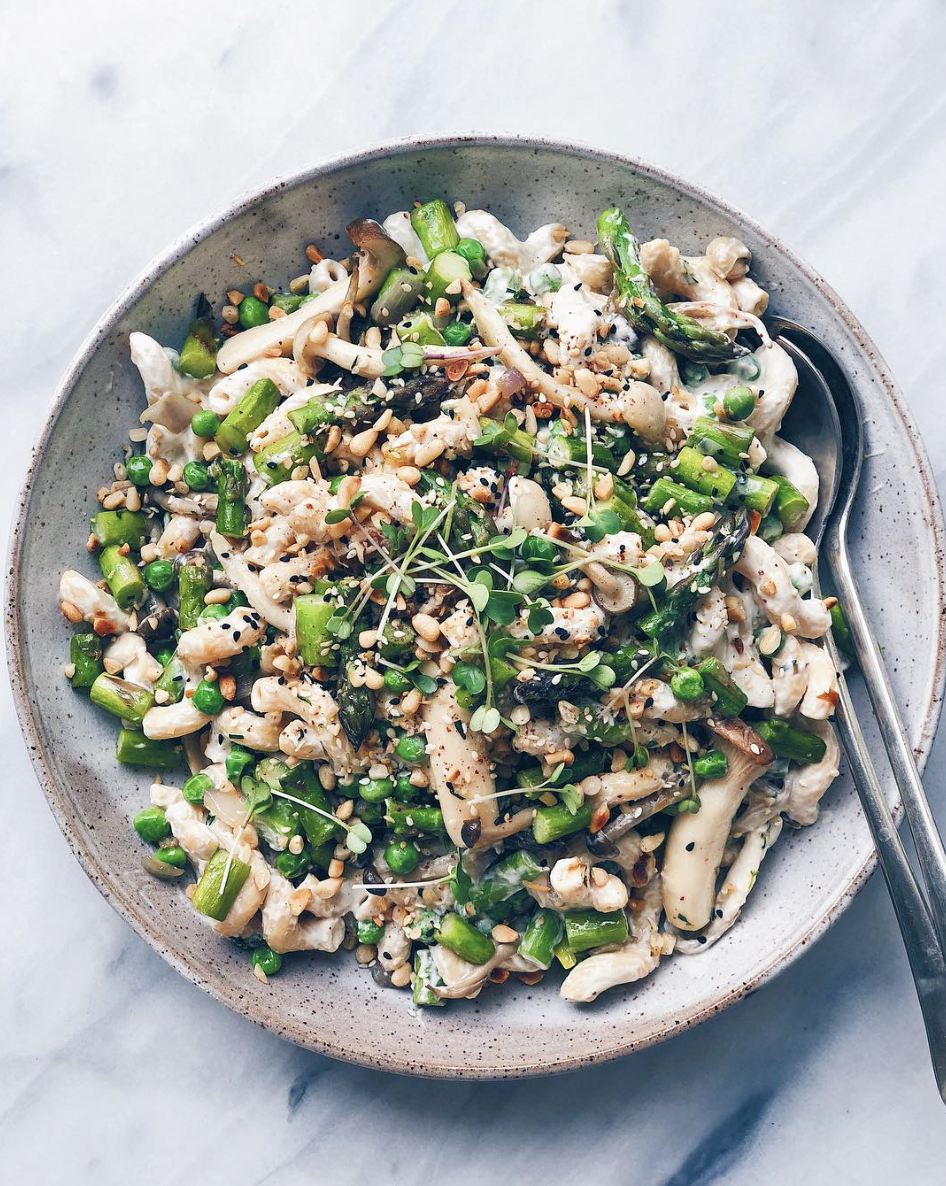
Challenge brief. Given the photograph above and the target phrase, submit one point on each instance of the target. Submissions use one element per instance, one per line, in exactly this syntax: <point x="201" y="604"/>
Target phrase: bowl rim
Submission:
<point x="126" y="905"/>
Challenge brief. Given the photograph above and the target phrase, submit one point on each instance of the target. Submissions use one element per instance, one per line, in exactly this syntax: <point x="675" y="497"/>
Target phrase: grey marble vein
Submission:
<point x="120" y="126"/>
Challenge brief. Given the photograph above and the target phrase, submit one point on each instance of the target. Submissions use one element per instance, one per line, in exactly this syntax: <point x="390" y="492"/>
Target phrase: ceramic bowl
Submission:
<point x="330" y="1004"/>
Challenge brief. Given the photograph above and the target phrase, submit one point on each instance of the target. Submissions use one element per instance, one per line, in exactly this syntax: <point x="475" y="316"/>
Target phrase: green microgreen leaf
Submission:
<point x="571" y="797"/>
<point x="479" y="596"/>
<point x="358" y="837"/>
<point x="338" y="516"/>
<point x="425" y="684"/>
<point x="502" y="606"/>
<point x="469" y="676"/>
<point x="257" y="794"/>
<point x="650" y="575"/>
<point x="529" y="581"/>
<point x="539" y="615"/>
<point x="460" y="882"/>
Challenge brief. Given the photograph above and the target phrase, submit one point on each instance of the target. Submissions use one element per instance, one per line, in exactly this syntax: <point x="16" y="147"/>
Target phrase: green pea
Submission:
<point x="739" y="403"/>
<point x="371" y="813"/>
<point x="375" y="789"/>
<point x="253" y="312"/>
<point x="159" y="575"/>
<point x="712" y="764"/>
<point x="196" y="787"/>
<point x="138" y="469"/>
<point x="208" y="698"/>
<point x="402" y="856"/>
<point x="212" y="613"/>
<point x="534" y="548"/>
<point x="472" y="250"/>
<point x="686" y="684"/>
<point x="405" y="791"/>
<point x="412" y="748"/>
<point x="465" y="698"/>
<point x="151" y="825"/>
<point x="394" y="681"/>
<point x="368" y="931"/>
<point x="236" y="763"/>
<point x="264" y="957"/>
<point x="292" y="865"/>
<point x="205" y="423"/>
<point x="197" y="475"/>
<point x="457" y="333"/>
<point x="164" y="655"/>
<point x="174" y="856"/>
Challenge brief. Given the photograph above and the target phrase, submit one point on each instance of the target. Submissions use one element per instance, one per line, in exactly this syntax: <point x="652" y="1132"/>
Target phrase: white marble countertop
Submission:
<point x="121" y="129"/>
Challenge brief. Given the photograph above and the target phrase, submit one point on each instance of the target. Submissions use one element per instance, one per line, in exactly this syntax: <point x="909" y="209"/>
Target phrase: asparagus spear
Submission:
<point x="434" y="226"/>
<point x="425" y="977"/>
<point x="462" y="938"/>
<point x="728" y="443"/>
<point x="212" y="897"/>
<point x="249" y="414"/>
<point x="404" y="819"/>
<point x="134" y="749"/>
<point x="124" y="577"/>
<point x="585" y="929"/>
<point x="198" y="356"/>
<point x="676" y="498"/>
<point x="275" y="462"/>
<point x="552" y="823"/>
<point x="172" y="680"/>
<point x="543" y="934"/>
<point x="313" y="611"/>
<point x="643" y="308"/>
<point x="193" y="585"/>
<point x="233" y="515"/>
<point x="120" y="527"/>
<point x="355" y="704"/>
<point x="349" y="408"/>
<point x="125" y="700"/>
<point x="786" y="741"/>
<point x="728" y="700"/>
<point x="85" y="655"/>
<point x="503" y="880"/>
<point x="790" y="503"/>
<point x="666" y="624"/>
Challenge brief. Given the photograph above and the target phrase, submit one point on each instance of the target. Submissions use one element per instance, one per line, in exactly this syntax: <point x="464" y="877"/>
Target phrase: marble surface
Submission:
<point x="119" y="128"/>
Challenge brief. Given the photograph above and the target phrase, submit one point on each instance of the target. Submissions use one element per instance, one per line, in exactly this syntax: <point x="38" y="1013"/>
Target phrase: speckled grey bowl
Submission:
<point x="330" y="1005"/>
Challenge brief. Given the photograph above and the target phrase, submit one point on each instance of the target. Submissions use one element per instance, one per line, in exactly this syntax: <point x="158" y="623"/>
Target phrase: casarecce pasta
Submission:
<point x="458" y="599"/>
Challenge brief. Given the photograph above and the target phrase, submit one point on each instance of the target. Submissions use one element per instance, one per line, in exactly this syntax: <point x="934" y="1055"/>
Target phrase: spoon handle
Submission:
<point x="919" y="935"/>
<point x="930" y="853"/>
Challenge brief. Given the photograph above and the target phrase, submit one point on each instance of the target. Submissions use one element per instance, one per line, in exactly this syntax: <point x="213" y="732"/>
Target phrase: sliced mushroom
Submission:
<point x="615" y="592"/>
<point x="697" y="842"/>
<point x="459" y="764"/>
<point x="276" y="336"/>
<point x="380" y="253"/>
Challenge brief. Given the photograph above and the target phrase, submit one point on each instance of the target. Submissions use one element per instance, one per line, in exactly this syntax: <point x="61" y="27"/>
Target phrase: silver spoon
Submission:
<point x="827" y="403"/>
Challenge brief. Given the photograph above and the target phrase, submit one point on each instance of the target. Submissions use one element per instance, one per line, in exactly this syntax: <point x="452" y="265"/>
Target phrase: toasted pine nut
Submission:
<point x="159" y="473"/>
<point x="503" y="934"/>
<point x="579" y="247"/>
<point x="70" y="611"/>
<point x="576" y="601"/>
<point x="336" y="868"/>
<point x="409" y="703"/>
<point x="363" y="442"/>
<point x="373" y="679"/>
<point x="426" y="626"/>
<point x="409" y="475"/>
<point x="788" y="623"/>
<point x="574" y="504"/>
<point x="401" y="977"/>
<point x="428" y="452"/>
<point x="216" y="597"/>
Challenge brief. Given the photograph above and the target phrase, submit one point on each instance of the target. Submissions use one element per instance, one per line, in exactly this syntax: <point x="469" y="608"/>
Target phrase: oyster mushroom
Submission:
<point x="379" y="254"/>
<point x="697" y="842"/>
